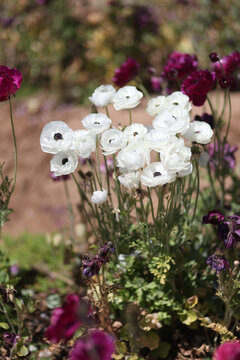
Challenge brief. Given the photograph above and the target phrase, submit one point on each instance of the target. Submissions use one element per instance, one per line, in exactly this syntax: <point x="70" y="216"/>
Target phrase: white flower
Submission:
<point x="64" y="163"/>
<point x="176" y="156"/>
<point x="204" y="159"/>
<point x="56" y="136"/>
<point x="133" y="156"/>
<point x="127" y="97"/>
<point x="102" y="96"/>
<point x="84" y="143"/>
<point x="112" y="140"/>
<point x="185" y="172"/>
<point x="130" y="180"/>
<point x="199" y="131"/>
<point x="158" y="140"/>
<point x="96" y="123"/>
<point x="173" y="120"/>
<point x="155" y="174"/>
<point x="99" y="196"/>
<point x="135" y="131"/>
<point x="156" y="105"/>
<point x="178" y="98"/>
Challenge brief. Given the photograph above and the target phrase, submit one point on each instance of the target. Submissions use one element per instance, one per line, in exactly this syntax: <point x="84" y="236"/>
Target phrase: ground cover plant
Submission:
<point x="158" y="275"/>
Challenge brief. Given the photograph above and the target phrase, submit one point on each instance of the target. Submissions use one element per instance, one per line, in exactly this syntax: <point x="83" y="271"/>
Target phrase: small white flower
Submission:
<point x="102" y="96"/>
<point x="135" y="131"/>
<point x="199" y="131"/>
<point x="204" y="159"/>
<point x="185" y="172"/>
<point x="178" y="98"/>
<point x="96" y="123"/>
<point x="112" y="140"/>
<point x="158" y="140"/>
<point x="156" y="105"/>
<point x="64" y="163"/>
<point x="133" y="156"/>
<point x="173" y="120"/>
<point x="127" y="97"/>
<point x="84" y="143"/>
<point x="56" y="136"/>
<point x="155" y="174"/>
<point x="176" y="156"/>
<point x="130" y="180"/>
<point x="99" y="196"/>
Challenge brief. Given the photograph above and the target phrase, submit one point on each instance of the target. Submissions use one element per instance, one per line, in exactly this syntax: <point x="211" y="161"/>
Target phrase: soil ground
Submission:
<point x="38" y="201"/>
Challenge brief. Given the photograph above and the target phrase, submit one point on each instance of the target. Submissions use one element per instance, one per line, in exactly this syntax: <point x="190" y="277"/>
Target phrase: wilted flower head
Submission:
<point x="228" y="351"/>
<point x="97" y="345"/>
<point x="10" y="82"/>
<point x="217" y="262"/>
<point x="234" y="231"/>
<point x="179" y="65"/>
<point x="126" y="72"/>
<point x="92" y="264"/>
<point x="213" y="217"/>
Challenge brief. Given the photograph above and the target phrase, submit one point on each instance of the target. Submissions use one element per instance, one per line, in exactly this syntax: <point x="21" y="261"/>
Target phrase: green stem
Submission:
<point x="7" y="317"/>
<point x="198" y="188"/>
<point x="98" y="163"/>
<point x="70" y="210"/>
<point x="108" y="181"/>
<point x="107" y="112"/>
<point x="15" y="149"/>
<point x="130" y="117"/>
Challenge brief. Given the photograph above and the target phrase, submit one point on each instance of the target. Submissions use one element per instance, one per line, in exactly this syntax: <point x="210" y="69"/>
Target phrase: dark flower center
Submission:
<point x="127" y="97"/>
<point x="57" y="136"/>
<point x="96" y="123"/>
<point x="64" y="161"/>
<point x="175" y="103"/>
<point x="135" y="133"/>
<point x="157" y="173"/>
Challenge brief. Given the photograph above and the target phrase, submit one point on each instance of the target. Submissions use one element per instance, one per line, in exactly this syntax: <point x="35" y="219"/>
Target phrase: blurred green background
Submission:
<point x="70" y="47"/>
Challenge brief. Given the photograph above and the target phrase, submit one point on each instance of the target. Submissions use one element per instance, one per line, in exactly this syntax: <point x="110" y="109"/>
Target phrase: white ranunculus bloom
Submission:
<point x="98" y="197"/>
<point x="102" y="96"/>
<point x="155" y="174"/>
<point x="176" y="156"/>
<point x="173" y="120"/>
<point x="130" y="180"/>
<point x="158" y="140"/>
<point x="84" y="143"/>
<point x="157" y="104"/>
<point x="178" y="98"/>
<point x="134" y="156"/>
<point x="127" y="97"/>
<point x="64" y="163"/>
<point x="204" y="159"/>
<point x="187" y="171"/>
<point x="96" y="123"/>
<point x="135" y="131"/>
<point x="199" y="131"/>
<point x="56" y="136"/>
<point x="112" y="140"/>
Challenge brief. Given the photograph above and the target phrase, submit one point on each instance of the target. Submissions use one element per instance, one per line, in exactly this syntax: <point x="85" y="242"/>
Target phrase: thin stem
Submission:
<point x="198" y="187"/>
<point x="15" y="149"/>
<point x="130" y="117"/>
<point x="98" y="163"/>
<point x="146" y="219"/>
<point x="70" y="210"/>
<point x="7" y="317"/>
<point x="107" y="112"/>
<point x="229" y="119"/>
<point x="108" y="181"/>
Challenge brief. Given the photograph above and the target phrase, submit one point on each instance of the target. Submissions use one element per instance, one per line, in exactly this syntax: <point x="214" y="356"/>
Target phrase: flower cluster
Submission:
<point x="126" y="72"/>
<point x="10" y="82"/>
<point x="179" y="65"/>
<point x="92" y="264"/>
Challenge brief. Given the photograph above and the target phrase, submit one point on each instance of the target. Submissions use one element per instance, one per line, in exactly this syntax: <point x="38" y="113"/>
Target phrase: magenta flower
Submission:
<point x="10" y="82"/>
<point x="228" y="351"/>
<point x="156" y="83"/>
<point x="126" y="72"/>
<point x="65" y="320"/>
<point x="230" y="63"/>
<point x="97" y="345"/>
<point x="213" y="217"/>
<point x="179" y="65"/>
<point x="228" y="158"/>
<point x="197" y="85"/>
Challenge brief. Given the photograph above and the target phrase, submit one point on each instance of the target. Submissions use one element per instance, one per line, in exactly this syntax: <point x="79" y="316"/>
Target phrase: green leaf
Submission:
<point x="149" y="340"/>
<point x="23" y="351"/>
<point x="4" y="325"/>
<point x="53" y="301"/>
<point x="19" y="303"/>
<point x="162" y="351"/>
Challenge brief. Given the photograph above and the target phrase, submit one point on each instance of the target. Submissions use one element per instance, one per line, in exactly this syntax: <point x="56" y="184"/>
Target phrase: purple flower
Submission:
<point x="92" y="264"/>
<point x="126" y="72"/>
<point x="110" y="166"/>
<point x="179" y="65"/>
<point x="217" y="262"/>
<point x="197" y="85"/>
<point x="228" y="351"/>
<point x="230" y="63"/>
<point x="10" y="82"/>
<point x="156" y="83"/>
<point x="213" y="217"/>
<point x="214" y="57"/>
<point x="97" y="345"/>
<point x="10" y="339"/>
<point x="67" y="319"/>
<point x="144" y="18"/>
<point x="234" y="231"/>
<point x="14" y="269"/>
<point x="228" y="158"/>
<point x="208" y="118"/>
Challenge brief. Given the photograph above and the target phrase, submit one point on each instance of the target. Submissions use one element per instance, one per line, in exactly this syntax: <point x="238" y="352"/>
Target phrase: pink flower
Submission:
<point x="98" y="345"/>
<point x="228" y="351"/>
<point x="156" y="83"/>
<point x="10" y="82"/>
<point x="126" y="72"/>
<point x="179" y="65"/>
<point x="66" y="320"/>
<point x="197" y="85"/>
<point x="230" y="63"/>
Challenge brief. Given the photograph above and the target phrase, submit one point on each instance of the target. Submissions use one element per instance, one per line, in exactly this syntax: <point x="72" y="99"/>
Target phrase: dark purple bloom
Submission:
<point x="156" y="83"/>
<point x="97" y="345"/>
<point x="213" y="217"/>
<point x="228" y="351"/>
<point x="229" y="63"/>
<point x="234" y="231"/>
<point x="92" y="264"/>
<point x="214" y="57"/>
<point x="66" y="320"/>
<point x="208" y="118"/>
<point x="227" y="159"/>
<point x="10" y="82"/>
<point x="126" y="72"/>
<point x="197" y="85"/>
<point x="225" y="82"/>
<point x="217" y="262"/>
<point x="179" y="65"/>
<point x="144" y="18"/>
<point x="10" y="339"/>
<point x="59" y="178"/>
